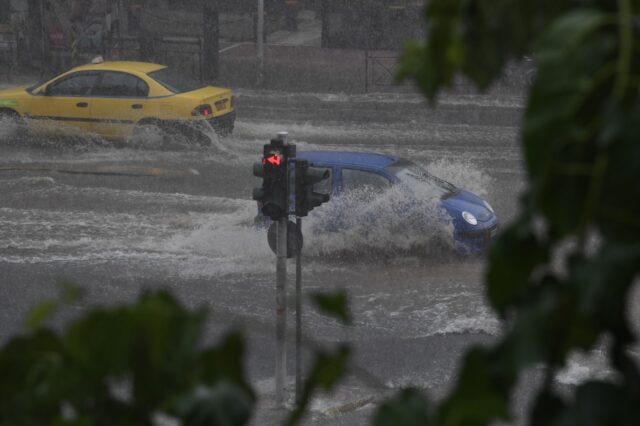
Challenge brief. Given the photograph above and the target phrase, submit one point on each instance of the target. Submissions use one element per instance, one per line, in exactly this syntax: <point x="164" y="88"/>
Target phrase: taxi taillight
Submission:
<point x="203" y="110"/>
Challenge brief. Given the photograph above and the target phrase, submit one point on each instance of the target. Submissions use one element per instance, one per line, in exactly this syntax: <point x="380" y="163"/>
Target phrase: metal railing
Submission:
<point x="382" y="66"/>
<point x="380" y="70"/>
<point x="8" y="53"/>
<point x="181" y="53"/>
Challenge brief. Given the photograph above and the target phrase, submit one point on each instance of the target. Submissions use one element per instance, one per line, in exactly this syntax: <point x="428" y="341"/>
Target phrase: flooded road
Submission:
<point x="117" y="220"/>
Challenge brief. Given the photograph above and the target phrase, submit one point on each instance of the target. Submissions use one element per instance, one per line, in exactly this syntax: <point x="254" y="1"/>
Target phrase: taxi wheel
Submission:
<point x="13" y="123"/>
<point x="149" y="132"/>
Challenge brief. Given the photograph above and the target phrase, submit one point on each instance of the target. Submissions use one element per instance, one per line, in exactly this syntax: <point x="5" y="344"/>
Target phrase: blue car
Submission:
<point x="471" y="221"/>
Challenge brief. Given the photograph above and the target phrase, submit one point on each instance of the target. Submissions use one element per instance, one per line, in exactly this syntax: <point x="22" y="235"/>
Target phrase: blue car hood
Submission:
<point x="467" y="201"/>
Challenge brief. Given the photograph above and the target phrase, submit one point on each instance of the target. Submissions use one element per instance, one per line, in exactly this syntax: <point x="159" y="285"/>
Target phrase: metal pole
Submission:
<point x="211" y="43"/>
<point x="298" y="311"/>
<point x="260" y="44"/>
<point x="121" y="18"/>
<point x="281" y="310"/>
<point x="281" y="300"/>
<point x="43" y="38"/>
<point x="366" y="71"/>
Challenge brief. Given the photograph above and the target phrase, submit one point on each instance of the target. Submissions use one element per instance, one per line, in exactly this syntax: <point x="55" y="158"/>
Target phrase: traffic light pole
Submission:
<point x="281" y="297"/>
<point x="274" y="199"/>
<point x="281" y="309"/>
<point x="298" y="312"/>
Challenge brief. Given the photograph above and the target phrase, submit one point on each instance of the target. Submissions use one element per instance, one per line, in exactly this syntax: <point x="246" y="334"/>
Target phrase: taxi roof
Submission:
<point x="143" y="67"/>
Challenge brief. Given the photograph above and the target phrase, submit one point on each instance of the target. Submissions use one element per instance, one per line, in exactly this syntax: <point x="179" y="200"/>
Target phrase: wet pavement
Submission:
<point x="118" y="220"/>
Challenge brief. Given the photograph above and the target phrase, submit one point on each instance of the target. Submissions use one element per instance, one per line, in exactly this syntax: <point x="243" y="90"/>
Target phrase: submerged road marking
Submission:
<point x="133" y="171"/>
<point x="233" y="46"/>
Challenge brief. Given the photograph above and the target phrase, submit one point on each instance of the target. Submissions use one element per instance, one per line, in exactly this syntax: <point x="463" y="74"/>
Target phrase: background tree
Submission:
<point x="561" y="273"/>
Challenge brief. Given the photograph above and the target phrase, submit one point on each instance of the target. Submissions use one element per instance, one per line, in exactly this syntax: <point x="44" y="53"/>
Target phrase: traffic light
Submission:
<point x="272" y="196"/>
<point x="306" y="178"/>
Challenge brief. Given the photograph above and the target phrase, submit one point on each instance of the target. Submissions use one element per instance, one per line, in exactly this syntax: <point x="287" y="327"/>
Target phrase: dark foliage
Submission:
<point x="580" y="144"/>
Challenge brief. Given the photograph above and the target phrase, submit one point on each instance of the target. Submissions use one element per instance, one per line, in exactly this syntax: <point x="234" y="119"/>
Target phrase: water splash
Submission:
<point x="8" y="128"/>
<point x="223" y="243"/>
<point x="462" y="173"/>
<point x="147" y="137"/>
<point x="397" y="221"/>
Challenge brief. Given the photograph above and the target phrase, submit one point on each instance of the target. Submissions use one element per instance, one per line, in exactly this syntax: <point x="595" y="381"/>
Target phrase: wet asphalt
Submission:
<point x="121" y="220"/>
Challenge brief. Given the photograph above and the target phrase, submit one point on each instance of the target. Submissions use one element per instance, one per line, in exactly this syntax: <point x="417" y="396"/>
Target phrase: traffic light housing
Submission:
<point x="306" y="177"/>
<point x="272" y="195"/>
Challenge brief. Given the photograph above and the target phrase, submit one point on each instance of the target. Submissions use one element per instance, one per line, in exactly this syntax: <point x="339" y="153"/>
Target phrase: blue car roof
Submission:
<point x="345" y="158"/>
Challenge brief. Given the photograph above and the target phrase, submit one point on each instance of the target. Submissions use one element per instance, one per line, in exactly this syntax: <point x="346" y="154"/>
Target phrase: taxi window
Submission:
<point x="174" y="81"/>
<point x="119" y="84"/>
<point x="74" y="85"/>
<point x="359" y="179"/>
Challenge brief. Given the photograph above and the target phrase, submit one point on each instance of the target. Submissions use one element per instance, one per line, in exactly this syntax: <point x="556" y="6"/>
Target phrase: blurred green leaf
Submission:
<point x="72" y="422"/>
<point x="408" y="408"/>
<point x="335" y="304"/>
<point x="560" y="274"/>
<point x="548" y="410"/>
<point x="598" y="403"/>
<point x="71" y="292"/>
<point x="513" y="258"/>
<point x="38" y="315"/>
<point x="224" y="404"/>
<point x="123" y="365"/>
<point x="327" y="370"/>
<point x="602" y="286"/>
<point x="225" y="362"/>
<point x="478" y="397"/>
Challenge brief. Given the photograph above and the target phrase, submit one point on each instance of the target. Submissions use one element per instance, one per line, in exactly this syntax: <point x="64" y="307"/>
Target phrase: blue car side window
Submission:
<point x="353" y="179"/>
<point x="324" y="187"/>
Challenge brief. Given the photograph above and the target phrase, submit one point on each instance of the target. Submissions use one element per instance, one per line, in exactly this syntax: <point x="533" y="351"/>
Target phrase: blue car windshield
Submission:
<point x="413" y="175"/>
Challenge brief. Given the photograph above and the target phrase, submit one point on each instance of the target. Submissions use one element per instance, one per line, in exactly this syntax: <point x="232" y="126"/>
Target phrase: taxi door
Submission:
<point x="63" y="105"/>
<point x="120" y="100"/>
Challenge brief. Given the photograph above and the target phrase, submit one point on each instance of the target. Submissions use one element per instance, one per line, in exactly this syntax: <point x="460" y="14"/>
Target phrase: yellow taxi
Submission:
<point x="117" y="99"/>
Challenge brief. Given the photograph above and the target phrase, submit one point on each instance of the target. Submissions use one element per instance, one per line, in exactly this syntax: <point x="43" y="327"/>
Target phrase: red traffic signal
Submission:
<point x="274" y="159"/>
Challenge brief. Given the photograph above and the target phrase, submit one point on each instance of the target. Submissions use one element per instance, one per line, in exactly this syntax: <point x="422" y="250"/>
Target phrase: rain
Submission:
<point x="161" y="208"/>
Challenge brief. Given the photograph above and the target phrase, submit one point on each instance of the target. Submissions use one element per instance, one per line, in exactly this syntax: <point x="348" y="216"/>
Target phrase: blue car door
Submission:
<point x="353" y="186"/>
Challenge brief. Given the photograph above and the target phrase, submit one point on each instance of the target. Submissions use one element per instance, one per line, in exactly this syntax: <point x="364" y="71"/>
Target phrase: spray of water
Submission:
<point x="462" y="173"/>
<point x="397" y="221"/>
<point x="147" y="137"/>
<point x="8" y="128"/>
<point x="189" y="137"/>
<point x="223" y="243"/>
